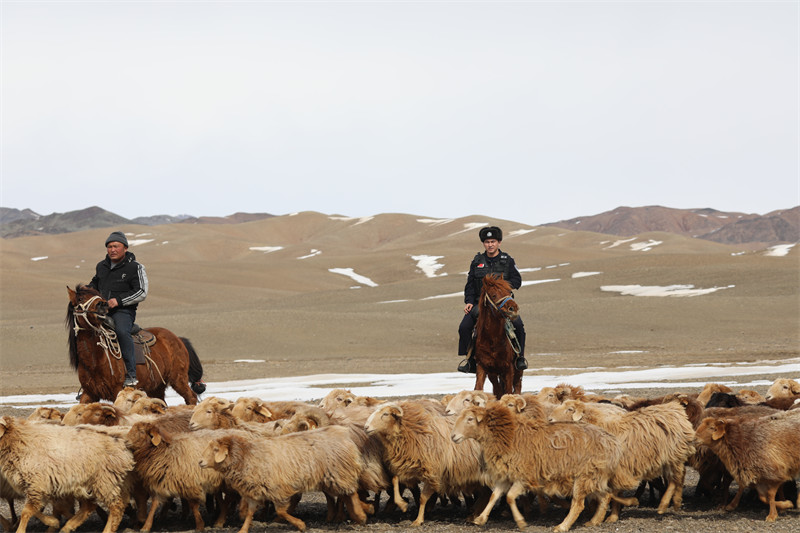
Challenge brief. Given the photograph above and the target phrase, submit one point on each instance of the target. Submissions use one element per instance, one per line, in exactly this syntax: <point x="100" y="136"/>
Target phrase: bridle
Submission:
<point x="107" y="336"/>
<point x="498" y="305"/>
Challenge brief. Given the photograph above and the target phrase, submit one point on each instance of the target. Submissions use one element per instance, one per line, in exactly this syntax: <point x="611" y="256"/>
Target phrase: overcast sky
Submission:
<point x="528" y="111"/>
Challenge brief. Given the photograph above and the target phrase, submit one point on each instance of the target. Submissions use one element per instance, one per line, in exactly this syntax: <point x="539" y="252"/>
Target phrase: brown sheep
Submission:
<point x="168" y="466"/>
<point x="418" y="448"/>
<point x="464" y="399"/>
<point x="521" y="454"/>
<point x="761" y="452"/>
<point x="276" y="469"/>
<point x="214" y="413"/>
<point x="525" y="404"/>
<point x="657" y="441"/>
<point x="783" y="388"/>
<point x="306" y="419"/>
<point x="750" y="396"/>
<point x="257" y="410"/>
<point x="93" y="469"/>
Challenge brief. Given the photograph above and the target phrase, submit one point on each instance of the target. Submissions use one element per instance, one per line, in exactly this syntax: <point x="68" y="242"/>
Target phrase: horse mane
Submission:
<point x="81" y="292"/>
<point x="494" y="282"/>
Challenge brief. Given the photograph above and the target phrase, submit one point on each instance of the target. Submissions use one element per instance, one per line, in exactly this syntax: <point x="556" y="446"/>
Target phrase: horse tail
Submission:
<point x="195" y="368"/>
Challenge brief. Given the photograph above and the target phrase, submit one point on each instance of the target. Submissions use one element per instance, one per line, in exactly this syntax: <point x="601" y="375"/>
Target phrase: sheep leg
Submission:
<point x="222" y="504"/>
<point x="154" y="505"/>
<point x="498" y="491"/>
<point x="767" y="495"/>
<point x="31" y="508"/>
<point x="282" y="510"/>
<point x="14" y="516"/>
<point x="600" y="512"/>
<point x="398" y="499"/>
<point x="115" y="512"/>
<point x="199" y="524"/>
<point x="355" y="508"/>
<point x="425" y="495"/>
<point x="247" y="509"/>
<point x="85" y="508"/>
<point x="735" y="502"/>
<point x="578" y="503"/>
<point x="511" y="498"/>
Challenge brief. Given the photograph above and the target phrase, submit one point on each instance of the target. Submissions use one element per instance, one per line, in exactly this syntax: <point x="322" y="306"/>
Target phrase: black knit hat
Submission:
<point x="491" y="232"/>
<point x="117" y="236"/>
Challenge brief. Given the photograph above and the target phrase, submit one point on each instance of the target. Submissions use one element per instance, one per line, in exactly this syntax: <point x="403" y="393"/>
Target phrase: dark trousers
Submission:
<point x="123" y="323"/>
<point x="468" y="324"/>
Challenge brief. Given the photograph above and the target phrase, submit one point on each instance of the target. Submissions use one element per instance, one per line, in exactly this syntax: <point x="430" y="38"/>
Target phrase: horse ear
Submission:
<point x="73" y="298"/>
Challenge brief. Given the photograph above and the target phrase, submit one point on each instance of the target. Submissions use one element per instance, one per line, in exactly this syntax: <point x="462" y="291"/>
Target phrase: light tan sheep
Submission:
<point x="262" y="470"/>
<point x="47" y="461"/>
<point x="464" y="399"/>
<point x="257" y="410"/>
<point x="657" y="441"/>
<point x="418" y="448"/>
<point x="750" y="397"/>
<point x="149" y="406"/>
<point x="522" y="454"/>
<point x="127" y="397"/>
<point x="526" y="405"/>
<point x="763" y="452"/>
<point x="46" y="414"/>
<point x="783" y="388"/>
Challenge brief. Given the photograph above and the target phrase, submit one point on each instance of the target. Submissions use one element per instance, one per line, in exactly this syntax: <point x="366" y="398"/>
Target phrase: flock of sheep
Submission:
<point x="560" y="446"/>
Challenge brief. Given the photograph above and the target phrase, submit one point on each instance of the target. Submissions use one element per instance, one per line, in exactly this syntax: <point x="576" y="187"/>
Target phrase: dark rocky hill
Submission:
<point x="781" y="226"/>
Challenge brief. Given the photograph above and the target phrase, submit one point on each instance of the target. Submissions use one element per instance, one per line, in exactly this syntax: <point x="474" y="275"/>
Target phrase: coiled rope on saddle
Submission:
<point x="107" y="337"/>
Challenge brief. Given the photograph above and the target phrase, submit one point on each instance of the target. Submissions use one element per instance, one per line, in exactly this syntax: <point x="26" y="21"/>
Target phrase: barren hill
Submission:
<point x="318" y="293"/>
<point x="728" y="228"/>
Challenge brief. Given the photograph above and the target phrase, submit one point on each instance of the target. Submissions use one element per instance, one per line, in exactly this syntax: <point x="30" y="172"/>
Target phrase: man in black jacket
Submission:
<point x="491" y="261"/>
<point x="122" y="282"/>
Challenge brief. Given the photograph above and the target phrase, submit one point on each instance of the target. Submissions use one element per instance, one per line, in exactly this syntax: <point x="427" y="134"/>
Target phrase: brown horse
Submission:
<point x="494" y="355"/>
<point x="94" y="353"/>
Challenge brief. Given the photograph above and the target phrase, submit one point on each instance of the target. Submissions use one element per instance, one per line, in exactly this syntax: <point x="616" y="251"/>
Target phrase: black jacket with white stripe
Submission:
<point x="126" y="281"/>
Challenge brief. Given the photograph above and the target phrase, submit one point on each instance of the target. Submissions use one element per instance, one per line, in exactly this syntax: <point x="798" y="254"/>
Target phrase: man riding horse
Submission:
<point x="491" y="261"/>
<point x="122" y="281"/>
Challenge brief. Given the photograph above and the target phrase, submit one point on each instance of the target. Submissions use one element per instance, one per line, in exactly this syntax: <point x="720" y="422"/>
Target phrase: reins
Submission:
<point x="108" y="337"/>
<point x="508" y="326"/>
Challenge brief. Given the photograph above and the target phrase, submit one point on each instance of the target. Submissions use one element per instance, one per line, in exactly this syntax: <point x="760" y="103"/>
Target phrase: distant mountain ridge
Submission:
<point x="781" y="226"/>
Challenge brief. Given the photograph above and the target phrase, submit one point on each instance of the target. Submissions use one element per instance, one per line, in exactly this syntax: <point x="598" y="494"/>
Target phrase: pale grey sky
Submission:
<point x="528" y="111"/>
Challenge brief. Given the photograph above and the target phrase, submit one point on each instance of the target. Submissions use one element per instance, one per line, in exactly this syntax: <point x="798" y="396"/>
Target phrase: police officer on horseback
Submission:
<point x="491" y="261"/>
<point x="122" y="282"/>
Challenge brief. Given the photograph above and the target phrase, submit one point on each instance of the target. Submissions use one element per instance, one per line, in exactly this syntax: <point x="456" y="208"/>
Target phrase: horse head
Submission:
<point x="496" y="295"/>
<point x="87" y="309"/>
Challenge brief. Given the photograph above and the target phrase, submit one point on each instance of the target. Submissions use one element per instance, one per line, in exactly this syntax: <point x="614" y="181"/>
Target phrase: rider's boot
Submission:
<point x="521" y="363"/>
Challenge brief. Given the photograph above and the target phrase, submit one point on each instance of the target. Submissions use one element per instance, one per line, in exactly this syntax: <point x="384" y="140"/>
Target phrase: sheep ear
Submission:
<point x="719" y="430"/>
<point x="795" y="388"/>
<point x="576" y="416"/>
<point x="73" y="298"/>
<point x="155" y="437"/>
<point x="397" y="411"/>
<point x="3" y="426"/>
<point x="263" y="411"/>
<point x="221" y="454"/>
<point x="521" y="403"/>
<point x="348" y="401"/>
<point x="479" y="400"/>
<point x="479" y="417"/>
<point x="305" y="425"/>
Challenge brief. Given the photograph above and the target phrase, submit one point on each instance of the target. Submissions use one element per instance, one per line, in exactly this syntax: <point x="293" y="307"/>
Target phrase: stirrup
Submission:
<point x="521" y="363"/>
<point x="467" y="366"/>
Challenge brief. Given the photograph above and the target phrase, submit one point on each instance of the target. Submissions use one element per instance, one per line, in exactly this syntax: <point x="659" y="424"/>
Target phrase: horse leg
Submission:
<point x="480" y="377"/>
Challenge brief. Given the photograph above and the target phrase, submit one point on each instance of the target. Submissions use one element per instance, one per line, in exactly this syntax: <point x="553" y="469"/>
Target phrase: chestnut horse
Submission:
<point x="94" y="353"/>
<point x="494" y="355"/>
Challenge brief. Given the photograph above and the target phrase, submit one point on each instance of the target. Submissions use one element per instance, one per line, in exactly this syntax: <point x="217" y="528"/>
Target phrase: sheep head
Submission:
<point x="385" y="420"/>
<point x="335" y="399"/>
<point x="515" y="402"/>
<point x="783" y="388"/>
<point x="464" y="400"/>
<point x="152" y="406"/>
<point x="711" y="429"/>
<point x="210" y="413"/>
<point x="46" y="413"/>
<point x="251" y="410"/>
<point x="215" y="453"/>
<point x="467" y="425"/>
<point x="569" y="411"/>
<point x="127" y="397"/>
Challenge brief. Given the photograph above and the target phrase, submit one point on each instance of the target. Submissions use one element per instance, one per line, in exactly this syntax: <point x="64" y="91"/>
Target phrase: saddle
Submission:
<point x="142" y="341"/>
